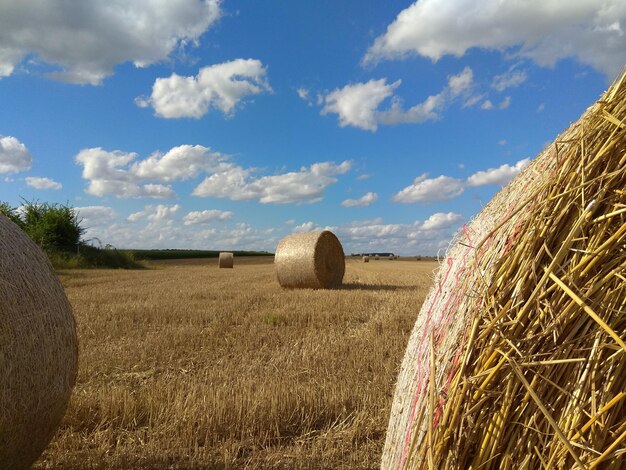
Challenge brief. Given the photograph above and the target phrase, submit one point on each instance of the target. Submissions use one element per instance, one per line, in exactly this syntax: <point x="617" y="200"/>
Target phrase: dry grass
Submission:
<point x="189" y="366"/>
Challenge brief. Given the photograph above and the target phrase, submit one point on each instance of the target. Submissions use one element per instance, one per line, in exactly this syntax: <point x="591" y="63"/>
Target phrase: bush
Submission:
<point x="57" y="230"/>
<point x="54" y="227"/>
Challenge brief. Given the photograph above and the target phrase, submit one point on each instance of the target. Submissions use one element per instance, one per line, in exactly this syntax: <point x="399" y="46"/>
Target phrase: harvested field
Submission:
<point x="189" y="366"/>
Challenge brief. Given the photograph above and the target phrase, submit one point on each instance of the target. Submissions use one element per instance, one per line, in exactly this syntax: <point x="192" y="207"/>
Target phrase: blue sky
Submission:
<point x="228" y="125"/>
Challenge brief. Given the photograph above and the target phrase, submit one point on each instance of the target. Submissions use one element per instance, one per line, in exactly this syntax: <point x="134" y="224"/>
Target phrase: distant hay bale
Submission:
<point x="313" y="259"/>
<point x="516" y="359"/>
<point x="226" y="260"/>
<point x="38" y="349"/>
<point x="376" y="257"/>
<point x="391" y="257"/>
<point x="366" y="259"/>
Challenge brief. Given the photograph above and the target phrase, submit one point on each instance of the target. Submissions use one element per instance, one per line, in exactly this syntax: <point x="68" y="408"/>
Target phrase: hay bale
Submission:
<point x="376" y="257"/>
<point x="313" y="259"/>
<point x="366" y="259"/>
<point x="39" y="349"/>
<point x="391" y="257"/>
<point x="226" y="260"/>
<point x="516" y="359"/>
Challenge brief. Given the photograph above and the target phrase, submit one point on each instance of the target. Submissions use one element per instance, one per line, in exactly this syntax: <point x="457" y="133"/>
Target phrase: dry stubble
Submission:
<point x="189" y="366"/>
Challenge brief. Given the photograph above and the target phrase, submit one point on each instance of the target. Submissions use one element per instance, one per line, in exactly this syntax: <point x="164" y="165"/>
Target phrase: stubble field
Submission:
<point x="191" y="366"/>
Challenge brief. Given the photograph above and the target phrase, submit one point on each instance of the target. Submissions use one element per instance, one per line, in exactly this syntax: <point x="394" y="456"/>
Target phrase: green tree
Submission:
<point x="52" y="226"/>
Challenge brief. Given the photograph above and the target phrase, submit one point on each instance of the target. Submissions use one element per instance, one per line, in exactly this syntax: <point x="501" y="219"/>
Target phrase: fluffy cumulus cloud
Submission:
<point x="358" y="105"/>
<point x="307" y="185"/>
<point x="83" y="41"/>
<point x="180" y="163"/>
<point x="441" y="220"/>
<point x="443" y="188"/>
<point x="37" y="182"/>
<point x="545" y="32"/>
<point x="428" y="237"/>
<point x="108" y="173"/>
<point x="365" y="200"/>
<point x="501" y="175"/>
<point x="14" y="156"/>
<point x="426" y="189"/>
<point x="207" y="216"/>
<point x="121" y="174"/>
<point x="306" y="227"/>
<point x="222" y="86"/>
<point x="95" y="219"/>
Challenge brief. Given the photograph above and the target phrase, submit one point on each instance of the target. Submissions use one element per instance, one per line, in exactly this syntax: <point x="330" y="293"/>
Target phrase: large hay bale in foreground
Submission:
<point x="38" y="349"/>
<point x="366" y="259"/>
<point x="226" y="260"/>
<point x="313" y="259"/>
<point x="517" y="358"/>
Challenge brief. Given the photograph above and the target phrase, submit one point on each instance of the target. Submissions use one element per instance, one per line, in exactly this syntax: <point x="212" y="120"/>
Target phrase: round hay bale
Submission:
<point x="376" y="257"/>
<point x="39" y="349"/>
<point x="226" y="260"/>
<point x="313" y="259"/>
<point x="366" y="259"/>
<point x="391" y="257"/>
<point x="516" y="359"/>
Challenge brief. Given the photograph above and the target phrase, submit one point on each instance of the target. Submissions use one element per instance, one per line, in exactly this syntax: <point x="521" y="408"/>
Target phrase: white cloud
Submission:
<point x="457" y="84"/>
<point x="426" y="189"/>
<point x="363" y="177"/>
<point x="221" y="86"/>
<point x="135" y="216"/>
<point x="505" y="103"/>
<point x="487" y="105"/>
<point x="541" y="107"/>
<point x="501" y="175"/>
<point x="86" y="40"/>
<point x="371" y="236"/>
<point x="305" y="227"/>
<point x="161" y="212"/>
<point x="108" y="173"/>
<point x="509" y="79"/>
<point x="95" y="216"/>
<point x="544" y="32"/>
<point x="206" y="216"/>
<point x="231" y="184"/>
<point x="180" y="163"/>
<point x="307" y="185"/>
<point x="441" y="220"/>
<point x="472" y="100"/>
<point x="502" y="142"/>
<point x="305" y="95"/>
<point x="358" y="105"/>
<point x="120" y="174"/>
<point x="365" y="200"/>
<point x="14" y="156"/>
<point x="42" y="183"/>
<point x="444" y="188"/>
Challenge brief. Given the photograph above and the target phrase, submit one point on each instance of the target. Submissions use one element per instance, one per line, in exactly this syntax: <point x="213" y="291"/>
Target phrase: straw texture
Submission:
<point x="313" y="259"/>
<point x="517" y="358"/>
<point x="226" y="260"/>
<point x="38" y="349"/>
